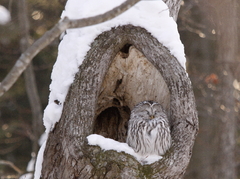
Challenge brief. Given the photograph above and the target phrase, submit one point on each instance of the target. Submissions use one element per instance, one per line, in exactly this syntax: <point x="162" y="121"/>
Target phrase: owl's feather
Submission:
<point x="148" y="129"/>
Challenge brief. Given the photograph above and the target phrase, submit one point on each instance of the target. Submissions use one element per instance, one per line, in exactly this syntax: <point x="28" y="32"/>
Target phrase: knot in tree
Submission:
<point x="124" y="66"/>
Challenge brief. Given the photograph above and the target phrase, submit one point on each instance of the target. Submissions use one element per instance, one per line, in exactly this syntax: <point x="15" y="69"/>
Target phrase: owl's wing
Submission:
<point x="163" y="136"/>
<point x="135" y="134"/>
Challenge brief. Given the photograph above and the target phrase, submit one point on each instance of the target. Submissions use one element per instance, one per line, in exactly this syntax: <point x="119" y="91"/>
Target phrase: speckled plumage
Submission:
<point x="148" y="129"/>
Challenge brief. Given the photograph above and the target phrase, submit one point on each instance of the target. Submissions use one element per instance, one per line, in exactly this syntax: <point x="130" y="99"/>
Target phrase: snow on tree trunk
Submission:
<point x="124" y="66"/>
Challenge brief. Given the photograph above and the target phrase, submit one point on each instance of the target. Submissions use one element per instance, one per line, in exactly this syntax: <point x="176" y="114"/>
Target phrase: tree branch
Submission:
<point x="51" y="35"/>
<point x="14" y="167"/>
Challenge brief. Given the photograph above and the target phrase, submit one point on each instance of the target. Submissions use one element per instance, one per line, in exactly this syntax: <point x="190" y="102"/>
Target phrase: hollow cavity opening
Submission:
<point x="112" y="123"/>
<point x="128" y="81"/>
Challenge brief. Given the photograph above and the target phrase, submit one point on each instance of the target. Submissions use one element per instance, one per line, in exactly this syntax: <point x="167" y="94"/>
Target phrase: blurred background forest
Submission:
<point x="209" y="32"/>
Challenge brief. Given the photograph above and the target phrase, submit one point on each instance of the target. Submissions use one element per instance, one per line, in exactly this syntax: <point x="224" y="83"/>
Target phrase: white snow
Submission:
<point x="26" y="176"/>
<point x="110" y="144"/>
<point x="5" y="16"/>
<point x="38" y="165"/>
<point x="31" y="163"/>
<point x="30" y="168"/>
<point x="42" y="139"/>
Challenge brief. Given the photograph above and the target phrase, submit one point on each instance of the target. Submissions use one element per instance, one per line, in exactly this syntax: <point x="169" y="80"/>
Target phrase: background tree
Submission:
<point x="16" y="132"/>
<point x="213" y="71"/>
<point x="29" y="77"/>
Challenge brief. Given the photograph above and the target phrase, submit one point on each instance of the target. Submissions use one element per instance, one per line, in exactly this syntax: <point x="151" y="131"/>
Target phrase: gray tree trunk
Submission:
<point x="96" y="95"/>
<point x="30" y="81"/>
<point x="124" y="66"/>
<point x="212" y="77"/>
<point x="225" y="121"/>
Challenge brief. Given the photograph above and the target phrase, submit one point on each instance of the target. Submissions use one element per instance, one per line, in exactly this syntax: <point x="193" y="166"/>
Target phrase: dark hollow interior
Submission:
<point x="113" y="123"/>
<point x="125" y="50"/>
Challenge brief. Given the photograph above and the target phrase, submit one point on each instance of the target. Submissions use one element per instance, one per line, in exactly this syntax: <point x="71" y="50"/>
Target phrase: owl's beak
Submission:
<point x="152" y="116"/>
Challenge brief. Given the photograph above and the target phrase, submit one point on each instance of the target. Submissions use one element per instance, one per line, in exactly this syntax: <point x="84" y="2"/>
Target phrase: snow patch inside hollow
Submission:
<point x="110" y="144"/>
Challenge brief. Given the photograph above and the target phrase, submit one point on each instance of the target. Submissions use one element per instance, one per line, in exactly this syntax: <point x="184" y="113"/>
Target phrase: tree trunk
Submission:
<point x="30" y="81"/>
<point x="174" y="6"/>
<point x="116" y="74"/>
<point x="108" y="86"/>
<point x="225" y="166"/>
<point x="212" y="76"/>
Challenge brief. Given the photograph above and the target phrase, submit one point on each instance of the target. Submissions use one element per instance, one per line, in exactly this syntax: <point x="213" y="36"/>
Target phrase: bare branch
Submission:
<point x="14" y="167"/>
<point x="52" y="34"/>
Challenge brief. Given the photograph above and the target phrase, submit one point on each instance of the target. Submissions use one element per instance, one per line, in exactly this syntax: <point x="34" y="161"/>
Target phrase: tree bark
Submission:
<point x="174" y="6"/>
<point x="67" y="154"/>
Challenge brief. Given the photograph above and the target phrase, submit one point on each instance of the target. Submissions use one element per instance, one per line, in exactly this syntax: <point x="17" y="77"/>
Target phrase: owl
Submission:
<point x="148" y="129"/>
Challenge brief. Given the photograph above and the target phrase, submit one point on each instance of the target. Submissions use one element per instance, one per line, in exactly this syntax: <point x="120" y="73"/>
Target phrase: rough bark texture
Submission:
<point x="174" y="6"/>
<point x="91" y="99"/>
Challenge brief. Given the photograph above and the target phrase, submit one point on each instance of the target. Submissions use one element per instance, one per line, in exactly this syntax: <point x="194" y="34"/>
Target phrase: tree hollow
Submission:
<point x="130" y="79"/>
<point x="124" y="66"/>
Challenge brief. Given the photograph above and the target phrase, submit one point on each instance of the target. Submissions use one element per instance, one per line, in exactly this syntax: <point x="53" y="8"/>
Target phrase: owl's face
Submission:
<point x="148" y="110"/>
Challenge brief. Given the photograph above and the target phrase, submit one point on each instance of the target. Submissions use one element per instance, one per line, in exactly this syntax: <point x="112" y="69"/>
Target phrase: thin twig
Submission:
<point x="14" y="167"/>
<point x="52" y="34"/>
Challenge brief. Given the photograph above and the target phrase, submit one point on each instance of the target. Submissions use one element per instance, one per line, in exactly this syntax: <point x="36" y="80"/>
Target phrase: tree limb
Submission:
<point x="51" y="35"/>
<point x="14" y="167"/>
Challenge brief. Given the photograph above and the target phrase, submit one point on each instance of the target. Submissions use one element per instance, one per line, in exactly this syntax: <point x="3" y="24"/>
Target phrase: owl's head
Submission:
<point x="149" y="110"/>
